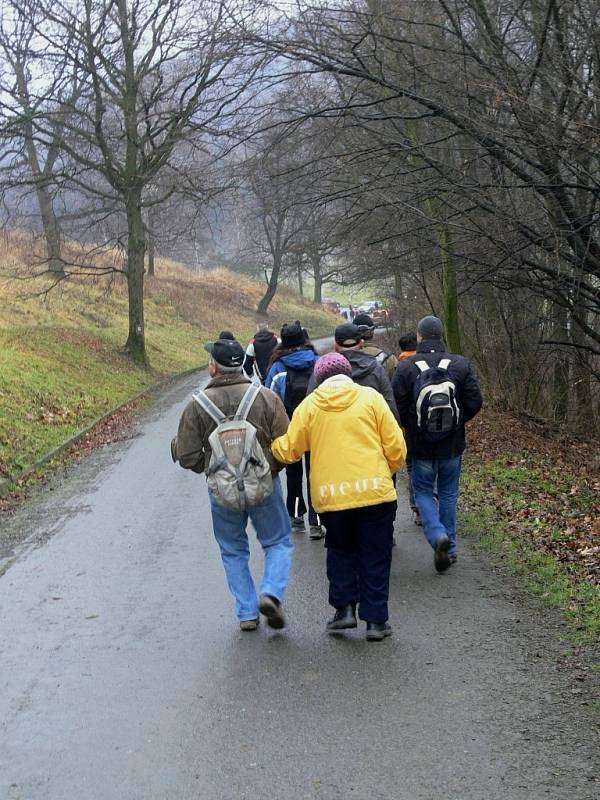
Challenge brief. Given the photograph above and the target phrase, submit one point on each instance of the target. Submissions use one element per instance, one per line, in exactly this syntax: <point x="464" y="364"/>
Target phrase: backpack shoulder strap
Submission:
<point x="444" y="363"/>
<point x="247" y="401"/>
<point x="207" y="404"/>
<point x="422" y="365"/>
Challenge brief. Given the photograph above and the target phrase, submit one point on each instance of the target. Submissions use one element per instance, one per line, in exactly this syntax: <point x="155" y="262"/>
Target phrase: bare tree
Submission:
<point x="156" y="79"/>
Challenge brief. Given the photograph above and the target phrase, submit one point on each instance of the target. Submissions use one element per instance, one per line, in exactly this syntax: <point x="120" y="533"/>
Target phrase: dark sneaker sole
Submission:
<point x="269" y="609"/>
<point x="378" y="636"/>
<point x="250" y="627"/>
<point x="339" y="628"/>
<point x="441" y="559"/>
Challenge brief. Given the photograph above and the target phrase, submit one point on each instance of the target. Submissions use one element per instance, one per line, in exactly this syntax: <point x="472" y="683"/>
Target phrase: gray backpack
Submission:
<point x="238" y="474"/>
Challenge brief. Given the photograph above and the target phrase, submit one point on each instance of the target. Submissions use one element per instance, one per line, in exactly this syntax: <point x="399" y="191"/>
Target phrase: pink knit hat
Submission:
<point x="332" y="364"/>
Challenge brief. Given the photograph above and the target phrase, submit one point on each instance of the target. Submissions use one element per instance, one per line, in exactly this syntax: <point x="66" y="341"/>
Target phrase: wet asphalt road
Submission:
<point x="123" y="675"/>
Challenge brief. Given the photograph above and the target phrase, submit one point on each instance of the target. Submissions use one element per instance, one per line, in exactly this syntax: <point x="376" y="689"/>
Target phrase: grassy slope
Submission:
<point x="61" y="363"/>
<point x="532" y="499"/>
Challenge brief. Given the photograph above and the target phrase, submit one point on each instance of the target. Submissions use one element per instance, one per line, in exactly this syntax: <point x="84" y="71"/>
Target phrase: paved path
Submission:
<point x="123" y="675"/>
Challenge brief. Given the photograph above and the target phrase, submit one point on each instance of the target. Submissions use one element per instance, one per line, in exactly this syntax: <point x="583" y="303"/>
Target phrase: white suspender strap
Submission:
<point x="422" y="365"/>
<point x="247" y="401"/>
<point x="444" y="363"/>
<point x="207" y="404"/>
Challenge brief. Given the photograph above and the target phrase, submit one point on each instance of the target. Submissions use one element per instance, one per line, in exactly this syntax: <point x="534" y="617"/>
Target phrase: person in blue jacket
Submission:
<point x="292" y="365"/>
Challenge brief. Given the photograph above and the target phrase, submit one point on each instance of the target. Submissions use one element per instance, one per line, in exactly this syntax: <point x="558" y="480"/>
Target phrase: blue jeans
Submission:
<point x="411" y="491"/>
<point x="438" y="518"/>
<point x="273" y="530"/>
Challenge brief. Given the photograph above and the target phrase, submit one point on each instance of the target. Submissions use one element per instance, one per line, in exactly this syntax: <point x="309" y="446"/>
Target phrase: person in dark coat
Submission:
<point x="436" y="458"/>
<point x="259" y="351"/>
<point x="366" y="369"/>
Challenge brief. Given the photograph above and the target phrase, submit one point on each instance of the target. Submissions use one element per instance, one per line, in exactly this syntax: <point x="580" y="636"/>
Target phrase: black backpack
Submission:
<point x="434" y="393"/>
<point x="296" y="386"/>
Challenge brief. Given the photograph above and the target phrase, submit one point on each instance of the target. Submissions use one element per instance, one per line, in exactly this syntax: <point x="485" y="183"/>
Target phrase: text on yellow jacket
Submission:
<point x="354" y="441"/>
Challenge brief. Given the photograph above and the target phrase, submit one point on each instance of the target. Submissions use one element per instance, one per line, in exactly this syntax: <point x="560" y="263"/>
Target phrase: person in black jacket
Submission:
<point x="436" y="457"/>
<point x="366" y="369"/>
<point x="258" y="352"/>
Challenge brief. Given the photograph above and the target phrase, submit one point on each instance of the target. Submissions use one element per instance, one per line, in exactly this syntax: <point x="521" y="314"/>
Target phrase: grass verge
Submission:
<point x="61" y="359"/>
<point x="537" y="516"/>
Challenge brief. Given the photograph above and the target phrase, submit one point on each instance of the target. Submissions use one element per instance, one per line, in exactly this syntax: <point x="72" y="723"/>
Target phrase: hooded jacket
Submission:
<point x="354" y="441"/>
<point x="468" y="396"/>
<point x="191" y="448"/>
<point x="387" y="360"/>
<point x="259" y="352"/>
<point x="367" y="371"/>
<point x="297" y="359"/>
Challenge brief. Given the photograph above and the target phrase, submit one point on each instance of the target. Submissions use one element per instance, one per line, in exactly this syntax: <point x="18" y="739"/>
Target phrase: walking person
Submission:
<point x="366" y="370"/>
<point x="387" y="360"/>
<point x="234" y="454"/>
<point x="258" y="352"/>
<point x="408" y="347"/>
<point x="437" y="393"/>
<point x="356" y="445"/>
<point x="292" y="364"/>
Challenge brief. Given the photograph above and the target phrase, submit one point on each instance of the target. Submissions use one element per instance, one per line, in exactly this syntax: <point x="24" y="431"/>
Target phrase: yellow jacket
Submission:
<point x="354" y="441"/>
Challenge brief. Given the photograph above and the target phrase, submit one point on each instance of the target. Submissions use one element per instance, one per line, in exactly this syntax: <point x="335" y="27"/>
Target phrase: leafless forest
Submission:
<point x="446" y="148"/>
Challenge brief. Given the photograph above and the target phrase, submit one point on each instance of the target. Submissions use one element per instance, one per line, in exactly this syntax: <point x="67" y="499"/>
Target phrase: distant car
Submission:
<point x="376" y="310"/>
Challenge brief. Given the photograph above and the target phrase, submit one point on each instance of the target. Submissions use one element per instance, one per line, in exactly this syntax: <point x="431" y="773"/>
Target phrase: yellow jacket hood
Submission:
<point x="354" y="441"/>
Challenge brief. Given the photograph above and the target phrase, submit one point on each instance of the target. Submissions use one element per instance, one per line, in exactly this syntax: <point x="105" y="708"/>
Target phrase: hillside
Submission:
<point x="61" y="359"/>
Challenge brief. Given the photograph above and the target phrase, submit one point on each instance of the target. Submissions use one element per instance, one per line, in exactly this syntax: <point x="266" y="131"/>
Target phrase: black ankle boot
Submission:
<point x="376" y="631"/>
<point x="344" y="618"/>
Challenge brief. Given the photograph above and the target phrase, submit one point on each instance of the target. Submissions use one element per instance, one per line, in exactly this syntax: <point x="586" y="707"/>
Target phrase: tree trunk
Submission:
<point x="450" y="292"/>
<point x="561" y="364"/>
<point x="51" y="230"/>
<point x="271" y="288"/>
<point x="300" y="286"/>
<point x="150" y="252"/>
<point x="318" y="279"/>
<point x="584" y="409"/>
<point x="136" y="251"/>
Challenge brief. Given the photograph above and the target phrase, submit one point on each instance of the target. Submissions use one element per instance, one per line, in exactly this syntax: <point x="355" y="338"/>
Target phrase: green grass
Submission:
<point x="495" y="494"/>
<point x="61" y="357"/>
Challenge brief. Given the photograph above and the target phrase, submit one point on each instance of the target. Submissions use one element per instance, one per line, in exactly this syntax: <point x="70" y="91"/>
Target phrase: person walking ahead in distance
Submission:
<point x="292" y="364"/>
<point x="356" y="445"/>
<point x="387" y="360"/>
<point x="408" y="347"/>
<point x="437" y="393"/>
<point x="258" y="352"/>
<point x="230" y="393"/>
<point x="366" y="370"/>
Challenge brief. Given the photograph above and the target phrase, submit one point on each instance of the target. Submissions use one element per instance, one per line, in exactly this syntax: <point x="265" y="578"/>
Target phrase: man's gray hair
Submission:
<point x="225" y="370"/>
<point x="262" y="326"/>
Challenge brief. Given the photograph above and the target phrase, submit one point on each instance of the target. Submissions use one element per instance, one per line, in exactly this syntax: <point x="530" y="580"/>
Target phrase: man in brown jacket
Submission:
<point x="191" y="449"/>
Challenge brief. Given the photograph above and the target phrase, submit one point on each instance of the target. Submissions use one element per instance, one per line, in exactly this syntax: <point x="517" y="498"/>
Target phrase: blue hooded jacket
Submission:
<point x="297" y="359"/>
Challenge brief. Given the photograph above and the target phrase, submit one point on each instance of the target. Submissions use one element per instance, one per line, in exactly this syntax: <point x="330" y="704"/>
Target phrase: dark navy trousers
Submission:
<point x="359" y="557"/>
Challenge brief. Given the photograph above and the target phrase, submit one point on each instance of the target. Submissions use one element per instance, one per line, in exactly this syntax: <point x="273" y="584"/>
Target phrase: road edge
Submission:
<point x="7" y="486"/>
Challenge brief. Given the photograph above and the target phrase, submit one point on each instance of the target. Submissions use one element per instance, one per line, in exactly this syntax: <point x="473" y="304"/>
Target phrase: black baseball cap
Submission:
<point x="226" y="352"/>
<point x="348" y="334"/>
<point x="364" y="321"/>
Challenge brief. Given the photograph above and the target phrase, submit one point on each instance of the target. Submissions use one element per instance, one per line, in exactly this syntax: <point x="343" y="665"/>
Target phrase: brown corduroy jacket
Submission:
<point x="190" y="447"/>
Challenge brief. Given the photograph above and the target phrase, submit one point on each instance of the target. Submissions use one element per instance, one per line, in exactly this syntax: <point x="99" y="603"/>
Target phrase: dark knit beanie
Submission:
<point x="292" y="335"/>
<point x="430" y="328"/>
